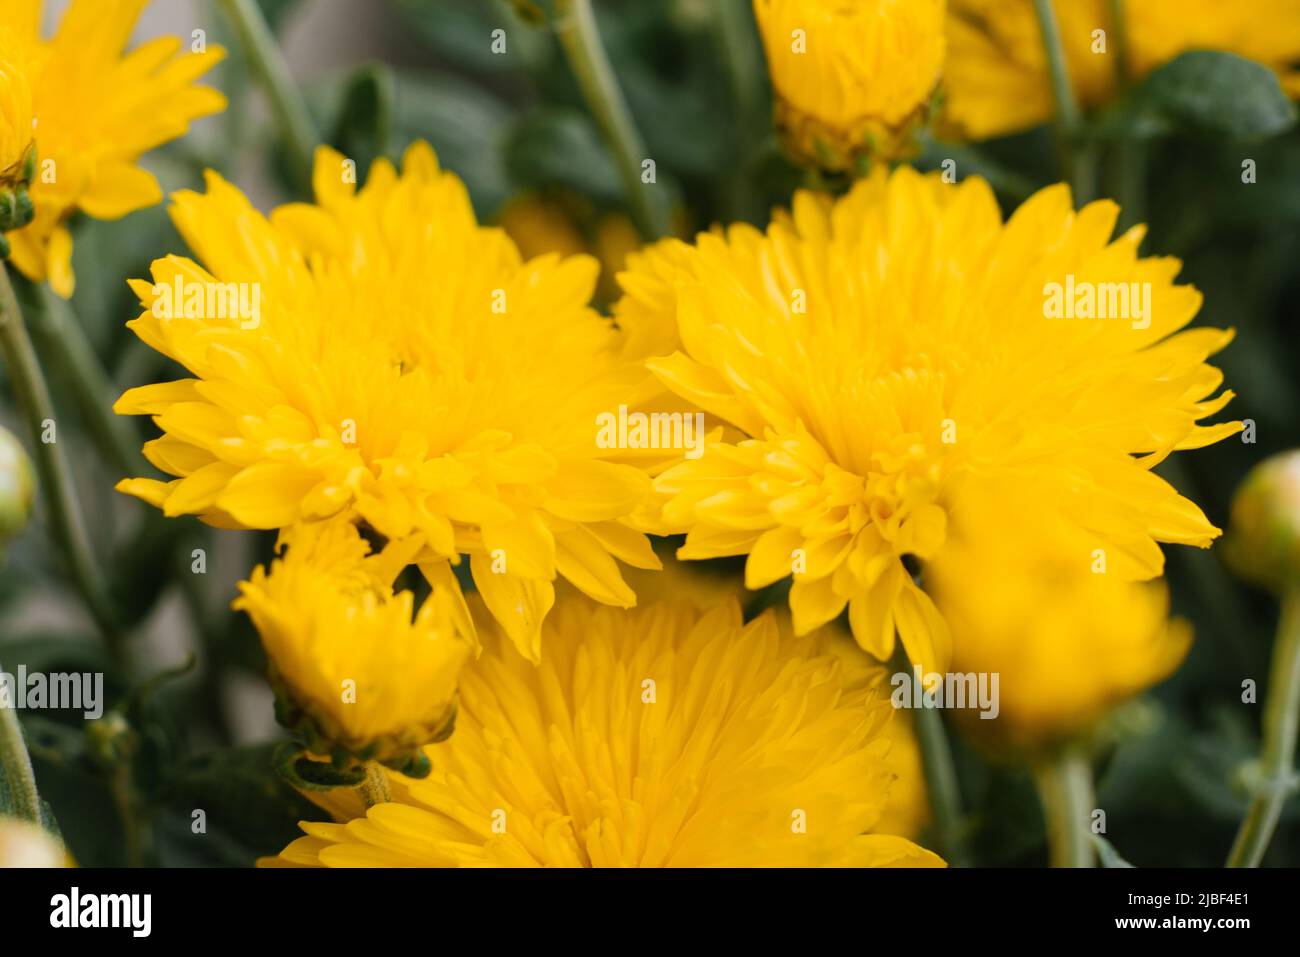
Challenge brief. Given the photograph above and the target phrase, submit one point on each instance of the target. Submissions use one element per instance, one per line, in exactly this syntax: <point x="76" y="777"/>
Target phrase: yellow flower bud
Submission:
<point x="357" y="677"/>
<point x="1263" y="540"/>
<point x="851" y="79"/>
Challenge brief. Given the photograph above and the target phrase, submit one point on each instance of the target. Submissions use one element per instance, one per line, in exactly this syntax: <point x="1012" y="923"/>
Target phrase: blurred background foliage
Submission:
<point x="198" y="735"/>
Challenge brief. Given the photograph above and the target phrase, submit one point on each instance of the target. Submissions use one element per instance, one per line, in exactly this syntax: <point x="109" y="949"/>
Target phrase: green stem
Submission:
<point x="941" y="784"/>
<point x="734" y="32"/>
<point x="575" y="28"/>
<point x="1078" y="160"/>
<point x="273" y="72"/>
<point x="17" y="765"/>
<point x="1128" y="160"/>
<point x="137" y="835"/>
<point x="1065" y="789"/>
<point x="1119" y="43"/>
<point x="68" y="524"/>
<point x="60" y="335"/>
<point x="1129" y="166"/>
<point x="737" y="43"/>
<point x="1280" y="727"/>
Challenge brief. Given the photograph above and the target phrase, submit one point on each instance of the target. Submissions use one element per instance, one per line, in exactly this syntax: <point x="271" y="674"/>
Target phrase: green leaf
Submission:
<point x="89" y="822"/>
<point x="561" y="147"/>
<point x="465" y="124"/>
<point x="53" y="651"/>
<point x="461" y="31"/>
<point x="1203" y="91"/>
<point x="156" y="545"/>
<point x="1222" y="93"/>
<point x="362" y="129"/>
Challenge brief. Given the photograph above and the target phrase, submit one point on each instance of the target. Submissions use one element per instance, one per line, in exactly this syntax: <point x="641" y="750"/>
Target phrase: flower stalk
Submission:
<point x="1281" y="727"/>
<point x="1078" y="162"/>
<point x="268" y="61"/>
<point x="575" y="27"/>
<point x="941" y="785"/>
<point x="1065" y="788"/>
<point x="1119" y="42"/>
<point x="52" y="466"/>
<point x="61" y="336"/>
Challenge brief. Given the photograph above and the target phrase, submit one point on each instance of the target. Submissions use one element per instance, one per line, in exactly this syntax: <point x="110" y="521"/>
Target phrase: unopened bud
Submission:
<point x="17" y="487"/>
<point x="1263" y="540"/>
<point x="16" y="209"/>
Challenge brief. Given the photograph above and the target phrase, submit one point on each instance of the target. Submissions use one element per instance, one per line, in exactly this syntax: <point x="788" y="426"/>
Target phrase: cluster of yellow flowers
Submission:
<point x="409" y="373"/>
<point x="896" y="425"/>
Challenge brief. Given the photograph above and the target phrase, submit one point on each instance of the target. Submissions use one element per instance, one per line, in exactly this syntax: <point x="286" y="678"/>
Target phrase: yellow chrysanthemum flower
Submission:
<point x="1067" y="644"/>
<point x="397" y="364"/>
<point x="851" y="78"/>
<point x="888" y="354"/>
<point x="98" y="109"/>
<point x="656" y="737"/>
<point x="357" y="671"/>
<point x="996" y="77"/>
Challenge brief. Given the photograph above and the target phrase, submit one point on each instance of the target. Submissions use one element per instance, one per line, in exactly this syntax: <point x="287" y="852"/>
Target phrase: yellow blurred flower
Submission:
<point x="887" y="354"/>
<point x="907" y="812"/>
<point x="655" y="737"/>
<point x="357" y="671"/>
<point x="98" y="109"/>
<point x="996" y="77"/>
<point x="615" y="239"/>
<point x="1067" y="645"/>
<point x="402" y="366"/>
<point x="852" y="79"/>
<point x="541" y="225"/>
